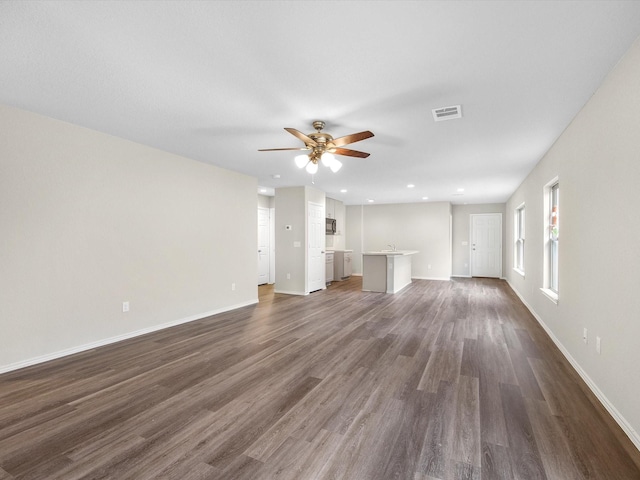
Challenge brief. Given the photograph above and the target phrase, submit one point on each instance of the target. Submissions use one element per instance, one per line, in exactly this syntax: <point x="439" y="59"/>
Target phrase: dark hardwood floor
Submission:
<point x="445" y="380"/>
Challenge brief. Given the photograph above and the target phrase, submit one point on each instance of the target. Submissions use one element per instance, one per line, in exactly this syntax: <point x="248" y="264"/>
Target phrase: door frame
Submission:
<point x="272" y="245"/>
<point x="269" y="243"/>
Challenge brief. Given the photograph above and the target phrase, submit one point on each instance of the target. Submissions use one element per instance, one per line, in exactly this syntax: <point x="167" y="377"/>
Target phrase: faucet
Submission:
<point x="393" y="247"/>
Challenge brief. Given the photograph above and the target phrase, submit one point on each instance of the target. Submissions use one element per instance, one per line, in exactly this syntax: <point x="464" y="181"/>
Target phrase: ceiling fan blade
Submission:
<point x="296" y="133"/>
<point x="278" y="149"/>
<point x="349" y="153"/>
<point x="353" y="138"/>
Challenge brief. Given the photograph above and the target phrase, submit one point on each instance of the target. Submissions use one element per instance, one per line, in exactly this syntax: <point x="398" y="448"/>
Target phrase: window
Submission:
<point x="554" y="231"/>
<point x="551" y="221"/>
<point x="518" y="250"/>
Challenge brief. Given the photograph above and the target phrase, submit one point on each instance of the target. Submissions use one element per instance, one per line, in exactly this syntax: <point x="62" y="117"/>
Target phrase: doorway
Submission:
<point x="315" y="252"/>
<point x="486" y="245"/>
<point x="264" y="245"/>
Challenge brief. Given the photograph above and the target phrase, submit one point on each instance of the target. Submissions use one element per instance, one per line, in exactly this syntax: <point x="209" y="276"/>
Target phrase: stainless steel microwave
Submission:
<point x="331" y="227"/>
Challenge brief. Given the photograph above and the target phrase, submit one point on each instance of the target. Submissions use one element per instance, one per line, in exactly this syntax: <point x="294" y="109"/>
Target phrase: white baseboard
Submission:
<point x="286" y="292"/>
<point x="118" y="338"/>
<point x="617" y="416"/>
<point x="445" y="279"/>
<point x="462" y="276"/>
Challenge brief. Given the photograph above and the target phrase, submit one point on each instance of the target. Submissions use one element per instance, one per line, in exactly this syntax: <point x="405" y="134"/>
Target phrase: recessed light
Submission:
<point x="370" y="200"/>
<point x="425" y="198"/>
<point x="275" y="175"/>
<point x="460" y="190"/>
<point x="263" y="190"/>
<point x="411" y="185"/>
<point x="344" y="190"/>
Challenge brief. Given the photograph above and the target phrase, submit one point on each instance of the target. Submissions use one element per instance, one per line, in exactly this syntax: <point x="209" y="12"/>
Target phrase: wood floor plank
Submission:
<point x="467" y="442"/>
<point x="318" y="458"/>
<point x="470" y="363"/>
<point x="404" y="452"/>
<point x="437" y="444"/>
<point x="5" y="476"/>
<point x="552" y="444"/>
<point x="524" y="374"/>
<point x="443" y="365"/>
<point x="496" y="464"/>
<point x="444" y="380"/>
<point x="243" y="467"/>
<point x="525" y="456"/>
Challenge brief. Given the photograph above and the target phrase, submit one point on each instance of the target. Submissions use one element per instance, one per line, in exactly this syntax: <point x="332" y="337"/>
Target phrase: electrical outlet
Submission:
<point x="288" y="276"/>
<point x="598" y="345"/>
<point x="125" y="307"/>
<point x="233" y="287"/>
<point x="584" y="336"/>
<point x="429" y="267"/>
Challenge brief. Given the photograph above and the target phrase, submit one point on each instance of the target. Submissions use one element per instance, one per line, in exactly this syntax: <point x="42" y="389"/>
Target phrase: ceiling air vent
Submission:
<point x="447" y="113"/>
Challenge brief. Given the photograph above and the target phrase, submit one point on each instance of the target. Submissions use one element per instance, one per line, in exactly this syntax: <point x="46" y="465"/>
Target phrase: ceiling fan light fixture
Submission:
<point x="328" y="159"/>
<point x="301" y="160"/>
<point x="322" y="147"/>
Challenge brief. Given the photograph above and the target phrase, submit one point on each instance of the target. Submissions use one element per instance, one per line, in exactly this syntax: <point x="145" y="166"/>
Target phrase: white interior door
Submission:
<point x="315" y="247"/>
<point x="264" y="247"/>
<point x="486" y="245"/>
<point x="272" y="243"/>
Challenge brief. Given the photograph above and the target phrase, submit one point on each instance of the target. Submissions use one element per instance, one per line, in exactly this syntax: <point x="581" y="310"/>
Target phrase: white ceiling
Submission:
<point x="216" y="81"/>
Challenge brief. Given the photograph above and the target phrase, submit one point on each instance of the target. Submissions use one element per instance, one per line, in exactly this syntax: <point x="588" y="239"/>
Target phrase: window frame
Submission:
<point x="551" y="243"/>
<point x="554" y="237"/>
<point x="519" y="239"/>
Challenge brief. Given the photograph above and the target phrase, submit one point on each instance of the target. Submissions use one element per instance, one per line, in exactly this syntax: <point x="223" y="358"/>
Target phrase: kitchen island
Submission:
<point x="386" y="271"/>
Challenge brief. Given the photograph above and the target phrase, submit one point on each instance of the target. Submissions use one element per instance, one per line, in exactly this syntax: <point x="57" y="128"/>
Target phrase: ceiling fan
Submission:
<point x="322" y="148"/>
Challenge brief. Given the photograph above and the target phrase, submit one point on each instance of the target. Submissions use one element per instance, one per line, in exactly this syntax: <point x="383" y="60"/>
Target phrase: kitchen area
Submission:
<point x="337" y="258"/>
<point x="356" y="240"/>
<point x="385" y="271"/>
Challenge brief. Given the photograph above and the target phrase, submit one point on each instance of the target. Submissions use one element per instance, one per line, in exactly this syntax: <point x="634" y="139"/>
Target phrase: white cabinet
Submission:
<point x="342" y="264"/>
<point x="329" y="262"/>
<point x="330" y="209"/>
<point x="335" y="209"/>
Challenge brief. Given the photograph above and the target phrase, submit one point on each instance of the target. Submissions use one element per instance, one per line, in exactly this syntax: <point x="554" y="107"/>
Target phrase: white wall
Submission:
<point x="291" y="260"/>
<point x="597" y="161"/>
<point x="462" y="233"/>
<point x="353" y="238"/>
<point x="90" y="220"/>
<point x="266" y="201"/>
<point x="410" y="226"/>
